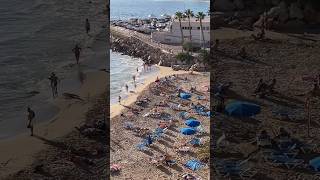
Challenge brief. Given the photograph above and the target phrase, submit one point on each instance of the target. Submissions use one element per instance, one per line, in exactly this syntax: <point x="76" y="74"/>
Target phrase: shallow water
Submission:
<point x="37" y="37"/>
<point x="122" y="70"/>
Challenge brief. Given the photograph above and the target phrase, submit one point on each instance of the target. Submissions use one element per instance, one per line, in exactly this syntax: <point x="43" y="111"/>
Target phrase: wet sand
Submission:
<point x="20" y="151"/>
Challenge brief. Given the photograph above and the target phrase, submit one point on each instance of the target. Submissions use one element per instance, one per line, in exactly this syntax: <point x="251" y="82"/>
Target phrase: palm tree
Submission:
<point x="200" y="16"/>
<point x="189" y="15"/>
<point x="179" y="16"/>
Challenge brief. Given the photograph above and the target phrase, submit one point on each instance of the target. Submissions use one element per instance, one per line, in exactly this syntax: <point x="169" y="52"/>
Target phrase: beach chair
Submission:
<point x="280" y="159"/>
<point x="128" y="125"/>
<point x="195" y="141"/>
<point x="200" y="129"/>
<point x="142" y="147"/>
<point x="234" y="168"/>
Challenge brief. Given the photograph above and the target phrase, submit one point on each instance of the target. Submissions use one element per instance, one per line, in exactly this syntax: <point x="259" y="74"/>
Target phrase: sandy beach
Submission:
<point x="115" y="109"/>
<point x="135" y="164"/>
<point x="287" y="58"/>
<point x="19" y="152"/>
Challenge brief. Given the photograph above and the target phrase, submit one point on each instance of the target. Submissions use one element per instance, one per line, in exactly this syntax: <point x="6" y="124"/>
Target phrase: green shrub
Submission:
<point x="184" y="57"/>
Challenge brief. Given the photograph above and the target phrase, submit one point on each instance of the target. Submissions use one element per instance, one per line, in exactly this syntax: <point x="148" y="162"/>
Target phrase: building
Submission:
<point x="172" y="34"/>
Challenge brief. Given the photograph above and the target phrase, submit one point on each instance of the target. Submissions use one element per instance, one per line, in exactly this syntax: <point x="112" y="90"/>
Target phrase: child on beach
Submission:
<point x="31" y="116"/>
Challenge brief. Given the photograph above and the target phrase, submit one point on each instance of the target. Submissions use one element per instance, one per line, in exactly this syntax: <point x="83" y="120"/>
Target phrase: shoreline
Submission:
<point x="116" y="109"/>
<point x="12" y="159"/>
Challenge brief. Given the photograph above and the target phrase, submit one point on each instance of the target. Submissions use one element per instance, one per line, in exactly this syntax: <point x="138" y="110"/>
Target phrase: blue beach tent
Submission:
<point x="187" y="131"/>
<point x="192" y="123"/>
<point x="242" y="109"/>
<point x="185" y="95"/>
<point x="315" y="163"/>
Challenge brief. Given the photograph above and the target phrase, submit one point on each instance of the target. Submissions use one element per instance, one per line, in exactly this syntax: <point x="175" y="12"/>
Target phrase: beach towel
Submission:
<point x="194" y="164"/>
<point x="185" y="95"/>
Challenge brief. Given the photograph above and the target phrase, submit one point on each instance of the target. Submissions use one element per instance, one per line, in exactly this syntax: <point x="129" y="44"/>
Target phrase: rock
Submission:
<point x="218" y="20"/>
<point x="223" y="5"/>
<point x="259" y="22"/>
<point x="234" y="22"/>
<point x="295" y="11"/>
<point x="274" y="12"/>
<point x="284" y="12"/>
<point x="275" y="2"/>
<point x="239" y="4"/>
<point x="318" y="18"/>
<point x="310" y="14"/>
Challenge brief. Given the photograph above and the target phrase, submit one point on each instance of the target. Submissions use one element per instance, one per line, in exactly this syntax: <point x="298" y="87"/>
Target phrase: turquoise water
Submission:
<point x="124" y="9"/>
<point x="124" y="67"/>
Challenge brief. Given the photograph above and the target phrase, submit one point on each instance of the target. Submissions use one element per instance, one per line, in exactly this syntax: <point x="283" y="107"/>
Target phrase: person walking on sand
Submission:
<point x="54" y="84"/>
<point x="87" y="26"/>
<point x="119" y="100"/>
<point x="31" y="116"/>
<point x="77" y="51"/>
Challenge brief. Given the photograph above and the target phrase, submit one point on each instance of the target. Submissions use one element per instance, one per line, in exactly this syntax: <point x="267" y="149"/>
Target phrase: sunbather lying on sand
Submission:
<point x="243" y="53"/>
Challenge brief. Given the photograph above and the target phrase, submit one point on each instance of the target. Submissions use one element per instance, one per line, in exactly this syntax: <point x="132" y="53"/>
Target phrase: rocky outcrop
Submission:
<point x="250" y="13"/>
<point x="135" y="48"/>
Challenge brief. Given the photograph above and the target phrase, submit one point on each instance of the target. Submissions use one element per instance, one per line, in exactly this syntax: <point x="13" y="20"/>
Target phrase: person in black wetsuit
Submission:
<point x="54" y="84"/>
<point x="77" y="51"/>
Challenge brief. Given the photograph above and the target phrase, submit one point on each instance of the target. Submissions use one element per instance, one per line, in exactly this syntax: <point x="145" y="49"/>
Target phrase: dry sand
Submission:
<point x="115" y="109"/>
<point x="20" y="151"/>
<point x="134" y="163"/>
<point x="287" y="60"/>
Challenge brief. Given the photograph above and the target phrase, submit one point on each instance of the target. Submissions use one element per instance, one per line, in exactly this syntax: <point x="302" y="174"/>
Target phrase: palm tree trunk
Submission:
<point x="202" y="33"/>
<point x="182" y="38"/>
<point x="190" y="34"/>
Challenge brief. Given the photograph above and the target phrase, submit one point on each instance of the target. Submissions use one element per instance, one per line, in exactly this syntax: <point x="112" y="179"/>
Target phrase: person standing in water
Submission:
<point x="127" y="87"/>
<point x="87" y="26"/>
<point x="54" y="84"/>
<point x="134" y="79"/>
<point x="77" y="51"/>
<point x="119" y="100"/>
<point x="31" y="116"/>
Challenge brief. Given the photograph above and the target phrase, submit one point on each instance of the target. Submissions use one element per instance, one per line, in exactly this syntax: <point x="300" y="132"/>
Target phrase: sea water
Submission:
<point x="123" y="67"/>
<point x="37" y="38"/>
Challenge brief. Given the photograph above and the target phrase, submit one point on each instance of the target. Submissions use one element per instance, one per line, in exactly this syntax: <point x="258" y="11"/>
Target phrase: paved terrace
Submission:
<point x="173" y="49"/>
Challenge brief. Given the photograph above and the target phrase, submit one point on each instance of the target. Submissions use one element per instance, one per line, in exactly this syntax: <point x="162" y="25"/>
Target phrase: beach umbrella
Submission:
<point x="192" y="123"/>
<point x="242" y="109"/>
<point x="315" y="163"/>
<point x="187" y="131"/>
